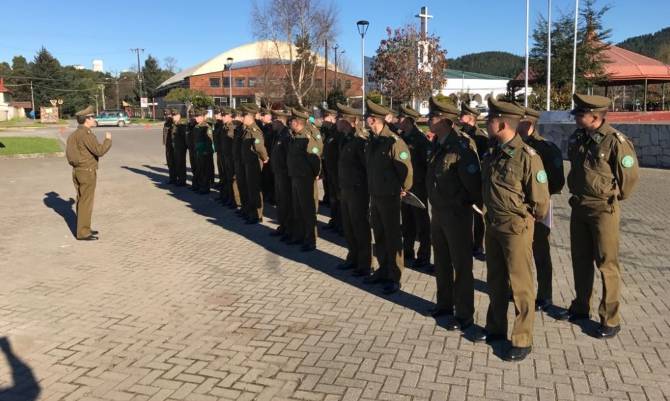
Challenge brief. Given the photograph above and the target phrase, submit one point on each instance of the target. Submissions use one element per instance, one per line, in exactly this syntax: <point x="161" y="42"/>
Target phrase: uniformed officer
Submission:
<point x="169" y="148"/>
<point x="178" y="136"/>
<point x="389" y="168"/>
<point x="515" y="194"/>
<point x="603" y="171"/>
<point x="353" y="189"/>
<point x="82" y="152"/>
<point x="278" y="158"/>
<point x="268" y="138"/>
<point x="331" y="155"/>
<point x="254" y="156"/>
<point x="216" y="139"/>
<point x="552" y="159"/>
<point x="454" y="185"/>
<point x="304" y="166"/>
<point x="192" y="154"/>
<point x="202" y="134"/>
<point x="415" y="221"/>
<point x="230" y="197"/>
<point x="240" y="175"/>
<point x="468" y="120"/>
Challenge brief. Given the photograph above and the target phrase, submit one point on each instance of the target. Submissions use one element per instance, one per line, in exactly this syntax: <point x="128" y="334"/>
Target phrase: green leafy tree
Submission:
<point x="21" y="84"/>
<point x="407" y="65"/>
<point x="47" y="72"/>
<point x="500" y="64"/>
<point x="153" y="76"/>
<point x="592" y="41"/>
<point x="336" y="96"/>
<point x="189" y="96"/>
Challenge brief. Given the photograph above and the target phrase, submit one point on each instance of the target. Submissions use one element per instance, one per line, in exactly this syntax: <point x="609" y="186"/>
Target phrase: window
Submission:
<point x="214" y="82"/>
<point x="251" y="82"/>
<point x="347" y="84"/>
<point x="239" y="82"/>
<point x="226" y="82"/>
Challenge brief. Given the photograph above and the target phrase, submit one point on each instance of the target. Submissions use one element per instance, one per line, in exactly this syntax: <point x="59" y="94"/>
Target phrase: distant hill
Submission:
<point x="502" y="64"/>
<point x="654" y="45"/>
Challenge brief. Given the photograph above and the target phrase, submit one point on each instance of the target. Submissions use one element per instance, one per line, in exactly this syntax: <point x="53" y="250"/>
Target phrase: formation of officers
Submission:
<point x="489" y="193"/>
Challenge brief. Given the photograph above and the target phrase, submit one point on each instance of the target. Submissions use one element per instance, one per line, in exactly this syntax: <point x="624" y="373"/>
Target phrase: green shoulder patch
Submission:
<point x="627" y="161"/>
<point x="257" y="141"/>
<point x="315" y="150"/>
<point x="541" y="177"/>
<point x="404" y="155"/>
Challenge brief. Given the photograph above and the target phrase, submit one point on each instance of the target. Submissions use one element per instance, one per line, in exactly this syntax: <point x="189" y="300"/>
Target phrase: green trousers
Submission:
<point x="509" y="262"/>
<point x="451" y="234"/>
<point x="594" y="239"/>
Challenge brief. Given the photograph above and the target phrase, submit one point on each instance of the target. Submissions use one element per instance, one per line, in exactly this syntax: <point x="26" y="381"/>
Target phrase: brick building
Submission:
<point x="257" y="74"/>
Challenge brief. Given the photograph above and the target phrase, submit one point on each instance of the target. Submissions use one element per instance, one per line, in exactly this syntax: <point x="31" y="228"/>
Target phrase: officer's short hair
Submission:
<point x="512" y="122"/>
<point x="81" y="119"/>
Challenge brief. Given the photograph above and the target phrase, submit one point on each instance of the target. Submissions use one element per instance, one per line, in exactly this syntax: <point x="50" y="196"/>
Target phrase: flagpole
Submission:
<point x="525" y="96"/>
<point x="574" y="51"/>
<point x="548" y="55"/>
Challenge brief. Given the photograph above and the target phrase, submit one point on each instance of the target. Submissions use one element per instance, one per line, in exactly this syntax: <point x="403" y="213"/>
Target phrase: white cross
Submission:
<point x="424" y="16"/>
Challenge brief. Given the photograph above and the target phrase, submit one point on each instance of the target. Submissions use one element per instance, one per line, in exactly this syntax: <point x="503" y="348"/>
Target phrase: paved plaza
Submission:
<point x="179" y="300"/>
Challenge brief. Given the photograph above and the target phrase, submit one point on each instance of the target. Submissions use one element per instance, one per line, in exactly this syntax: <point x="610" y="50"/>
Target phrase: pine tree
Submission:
<point x="48" y="80"/>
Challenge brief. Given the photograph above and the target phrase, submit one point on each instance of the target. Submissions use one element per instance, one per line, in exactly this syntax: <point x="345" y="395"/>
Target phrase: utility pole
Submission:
<point x="335" y="48"/>
<point x="32" y="98"/>
<point x="139" y="75"/>
<point x="325" y="74"/>
<point x="118" y="106"/>
<point x="102" y="95"/>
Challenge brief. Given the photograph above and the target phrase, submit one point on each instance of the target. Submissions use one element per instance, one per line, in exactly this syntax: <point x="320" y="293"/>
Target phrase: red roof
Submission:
<point x="625" y="65"/>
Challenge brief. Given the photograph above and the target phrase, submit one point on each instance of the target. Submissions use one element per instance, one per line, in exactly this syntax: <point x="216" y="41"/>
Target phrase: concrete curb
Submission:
<point x="33" y="155"/>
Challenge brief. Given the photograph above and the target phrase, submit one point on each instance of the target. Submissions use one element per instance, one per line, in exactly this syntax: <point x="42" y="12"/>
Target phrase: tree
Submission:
<point x="170" y="64"/>
<point x="500" y="64"/>
<point x="20" y="72"/>
<point x="592" y="41"/>
<point x="408" y="66"/>
<point x="336" y="96"/>
<point x="189" y="96"/>
<point x="47" y="72"/>
<point x="298" y="30"/>
<point x="153" y="76"/>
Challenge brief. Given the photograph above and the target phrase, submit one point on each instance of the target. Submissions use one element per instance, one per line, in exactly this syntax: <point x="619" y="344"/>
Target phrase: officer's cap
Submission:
<point x="300" y="113"/>
<point x="502" y="108"/>
<point x="465" y="109"/>
<point x="586" y="103"/>
<point x="376" y="110"/>
<point x="442" y="109"/>
<point x="531" y="114"/>
<point x="406" y="111"/>
<point x="346" y="111"/>
<point x="89" y="111"/>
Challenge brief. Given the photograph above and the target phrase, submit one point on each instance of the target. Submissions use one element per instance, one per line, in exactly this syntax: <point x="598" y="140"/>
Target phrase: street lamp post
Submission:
<point x="229" y="65"/>
<point x="362" y="29"/>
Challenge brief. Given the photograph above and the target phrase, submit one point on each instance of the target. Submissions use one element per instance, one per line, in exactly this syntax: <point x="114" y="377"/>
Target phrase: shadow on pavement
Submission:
<point x="260" y="234"/>
<point x="63" y="207"/>
<point x="25" y="387"/>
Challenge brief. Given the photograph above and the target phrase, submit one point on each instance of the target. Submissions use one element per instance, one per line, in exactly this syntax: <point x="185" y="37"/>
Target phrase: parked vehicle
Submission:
<point x="117" y="118"/>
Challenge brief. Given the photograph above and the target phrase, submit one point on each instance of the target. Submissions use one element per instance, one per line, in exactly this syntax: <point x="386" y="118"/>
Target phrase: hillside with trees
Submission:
<point x="501" y="64"/>
<point x="655" y="45"/>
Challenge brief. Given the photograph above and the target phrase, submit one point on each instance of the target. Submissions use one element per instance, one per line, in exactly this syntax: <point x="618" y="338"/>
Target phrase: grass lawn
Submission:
<point x="27" y="145"/>
<point x="28" y="123"/>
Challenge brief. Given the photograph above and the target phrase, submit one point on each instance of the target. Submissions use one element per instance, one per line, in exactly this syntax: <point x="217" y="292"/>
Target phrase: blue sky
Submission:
<point x="78" y="31"/>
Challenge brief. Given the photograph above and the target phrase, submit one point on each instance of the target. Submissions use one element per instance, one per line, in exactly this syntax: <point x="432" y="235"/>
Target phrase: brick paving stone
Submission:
<point x="181" y="301"/>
